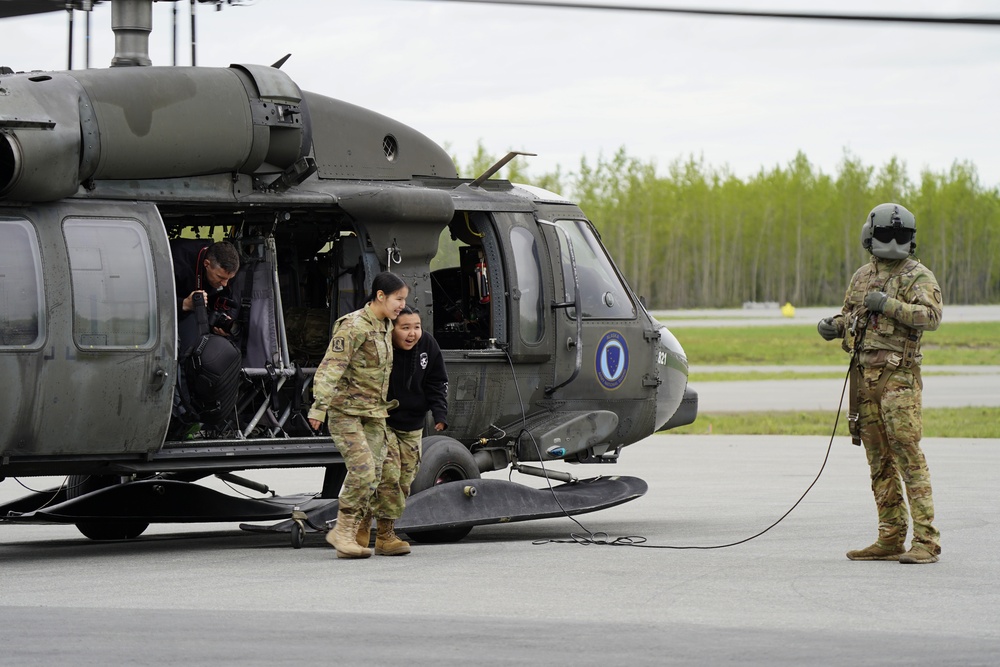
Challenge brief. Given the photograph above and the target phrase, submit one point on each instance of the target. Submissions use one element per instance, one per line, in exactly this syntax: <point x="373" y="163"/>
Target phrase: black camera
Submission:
<point x="220" y="318"/>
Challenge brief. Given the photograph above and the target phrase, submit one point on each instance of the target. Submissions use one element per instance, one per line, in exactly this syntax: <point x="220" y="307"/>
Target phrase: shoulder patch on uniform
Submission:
<point x="337" y="344"/>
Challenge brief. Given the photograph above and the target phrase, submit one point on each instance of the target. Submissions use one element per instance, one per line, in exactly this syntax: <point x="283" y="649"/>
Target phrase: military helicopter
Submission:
<point x="551" y="356"/>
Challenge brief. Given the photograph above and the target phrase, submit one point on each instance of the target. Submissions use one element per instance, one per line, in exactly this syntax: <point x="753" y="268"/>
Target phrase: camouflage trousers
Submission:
<point x="891" y="429"/>
<point x="402" y="459"/>
<point x="362" y="443"/>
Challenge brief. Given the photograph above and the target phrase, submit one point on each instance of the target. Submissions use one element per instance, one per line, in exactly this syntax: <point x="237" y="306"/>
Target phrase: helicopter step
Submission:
<point x="447" y="512"/>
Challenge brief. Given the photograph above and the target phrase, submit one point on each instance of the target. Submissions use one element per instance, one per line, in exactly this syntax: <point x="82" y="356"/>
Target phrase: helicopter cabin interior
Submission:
<point x="301" y="271"/>
<point x="482" y="287"/>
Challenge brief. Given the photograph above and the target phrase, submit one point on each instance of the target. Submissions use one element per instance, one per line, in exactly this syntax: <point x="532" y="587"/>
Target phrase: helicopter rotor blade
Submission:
<point x="877" y="18"/>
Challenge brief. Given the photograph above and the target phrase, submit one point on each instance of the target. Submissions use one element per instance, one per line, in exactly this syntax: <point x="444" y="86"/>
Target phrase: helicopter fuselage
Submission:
<point x="550" y="355"/>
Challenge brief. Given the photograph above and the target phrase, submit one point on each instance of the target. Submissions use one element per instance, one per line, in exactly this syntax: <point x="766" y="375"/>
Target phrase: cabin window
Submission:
<point x="602" y="293"/>
<point x="112" y="276"/>
<point x="21" y="305"/>
<point x="528" y="291"/>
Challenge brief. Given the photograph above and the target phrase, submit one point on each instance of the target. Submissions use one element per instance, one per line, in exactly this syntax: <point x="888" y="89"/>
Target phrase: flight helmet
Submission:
<point x="889" y="232"/>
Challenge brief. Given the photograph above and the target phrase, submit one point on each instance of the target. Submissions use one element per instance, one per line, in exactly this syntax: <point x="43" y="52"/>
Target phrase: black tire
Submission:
<point x="79" y="485"/>
<point x="443" y="460"/>
<point x="298" y="535"/>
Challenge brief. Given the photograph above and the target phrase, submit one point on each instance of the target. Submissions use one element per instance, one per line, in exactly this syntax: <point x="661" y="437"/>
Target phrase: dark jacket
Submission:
<point x="419" y="382"/>
<point x="189" y="275"/>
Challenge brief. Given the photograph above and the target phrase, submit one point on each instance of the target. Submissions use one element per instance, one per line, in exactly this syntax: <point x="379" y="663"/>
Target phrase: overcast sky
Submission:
<point x="740" y="93"/>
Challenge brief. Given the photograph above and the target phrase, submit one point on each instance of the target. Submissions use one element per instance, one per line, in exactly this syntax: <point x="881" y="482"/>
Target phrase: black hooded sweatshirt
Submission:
<point x="419" y="382"/>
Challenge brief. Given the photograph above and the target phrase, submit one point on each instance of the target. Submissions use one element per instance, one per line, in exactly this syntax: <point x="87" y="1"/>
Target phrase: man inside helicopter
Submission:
<point x="204" y="268"/>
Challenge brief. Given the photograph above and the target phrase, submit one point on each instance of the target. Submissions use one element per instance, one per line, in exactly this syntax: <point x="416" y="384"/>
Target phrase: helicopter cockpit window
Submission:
<point x="529" y="284"/>
<point x="112" y="277"/>
<point x="21" y="310"/>
<point x="602" y="294"/>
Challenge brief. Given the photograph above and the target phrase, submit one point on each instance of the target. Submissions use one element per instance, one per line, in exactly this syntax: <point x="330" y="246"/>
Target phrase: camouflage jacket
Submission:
<point x="353" y="377"/>
<point x="914" y="306"/>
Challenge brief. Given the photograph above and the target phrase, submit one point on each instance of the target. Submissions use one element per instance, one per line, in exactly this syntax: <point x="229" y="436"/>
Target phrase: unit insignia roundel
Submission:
<point x="612" y="360"/>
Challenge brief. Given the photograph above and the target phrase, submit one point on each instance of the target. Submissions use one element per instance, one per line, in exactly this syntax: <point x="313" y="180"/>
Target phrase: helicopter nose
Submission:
<point x="676" y="402"/>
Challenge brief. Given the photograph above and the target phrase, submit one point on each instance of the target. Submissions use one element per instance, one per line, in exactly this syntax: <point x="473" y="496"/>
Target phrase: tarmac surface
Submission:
<point x="211" y="594"/>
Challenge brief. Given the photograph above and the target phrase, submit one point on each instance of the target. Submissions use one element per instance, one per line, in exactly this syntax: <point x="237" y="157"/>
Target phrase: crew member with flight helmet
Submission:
<point x="419" y="383"/>
<point x="890" y="302"/>
<point x="349" y="395"/>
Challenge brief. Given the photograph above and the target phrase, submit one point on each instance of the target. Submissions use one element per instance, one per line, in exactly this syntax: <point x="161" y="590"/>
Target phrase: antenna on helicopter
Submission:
<point x="482" y="178"/>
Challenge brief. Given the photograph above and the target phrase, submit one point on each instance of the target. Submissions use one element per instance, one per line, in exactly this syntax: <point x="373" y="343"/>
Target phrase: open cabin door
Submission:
<point x="96" y="377"/>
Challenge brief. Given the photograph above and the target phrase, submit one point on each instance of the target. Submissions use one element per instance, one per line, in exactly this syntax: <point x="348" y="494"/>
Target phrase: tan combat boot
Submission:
<point x="364" y="535"/>
<point x="386" y="542"/>
<point x="342" y="538"/>
<point x="918" y="553"/>
<point x="877" y="551"/>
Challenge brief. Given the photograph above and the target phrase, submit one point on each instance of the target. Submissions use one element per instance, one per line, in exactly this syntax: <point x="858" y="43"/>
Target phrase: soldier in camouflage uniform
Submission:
<point x="349" y="394"/>
<point x="890" y="302"/>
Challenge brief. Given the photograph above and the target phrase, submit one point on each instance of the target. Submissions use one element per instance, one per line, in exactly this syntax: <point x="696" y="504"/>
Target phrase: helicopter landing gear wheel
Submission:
<point x="443" y="460"/>
<point x="298" y="530"/>
<point x="298" y="535"/>
<point x="78" y="485"/>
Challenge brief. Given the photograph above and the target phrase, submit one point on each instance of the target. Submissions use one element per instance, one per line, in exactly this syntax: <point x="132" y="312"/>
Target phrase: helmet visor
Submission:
<point x="897" y="234"/>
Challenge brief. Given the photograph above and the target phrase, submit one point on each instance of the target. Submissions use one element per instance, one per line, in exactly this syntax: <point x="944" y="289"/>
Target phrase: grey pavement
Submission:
<point x="763" y="368"/>
<point x="772" y="316"/>
<point x="211" y="594"/>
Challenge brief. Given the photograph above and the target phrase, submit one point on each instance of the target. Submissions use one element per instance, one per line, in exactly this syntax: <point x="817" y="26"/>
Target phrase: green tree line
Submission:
<point x="698" y="236"/>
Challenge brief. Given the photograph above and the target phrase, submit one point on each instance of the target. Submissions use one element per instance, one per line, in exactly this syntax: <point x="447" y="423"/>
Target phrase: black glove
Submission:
<point x="875" y="301"/>
<point x="827" y="329"/>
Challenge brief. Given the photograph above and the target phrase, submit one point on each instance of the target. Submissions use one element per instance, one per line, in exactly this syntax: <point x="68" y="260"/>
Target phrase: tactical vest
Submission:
<point x="887" y="342"/>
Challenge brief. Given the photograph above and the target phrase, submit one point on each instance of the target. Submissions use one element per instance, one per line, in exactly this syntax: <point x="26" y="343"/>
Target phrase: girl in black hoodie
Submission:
<point x="419" y="382"/>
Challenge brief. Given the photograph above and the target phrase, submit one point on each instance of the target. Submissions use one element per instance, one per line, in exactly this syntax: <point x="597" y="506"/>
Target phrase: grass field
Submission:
<point x="961" y="344"/>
